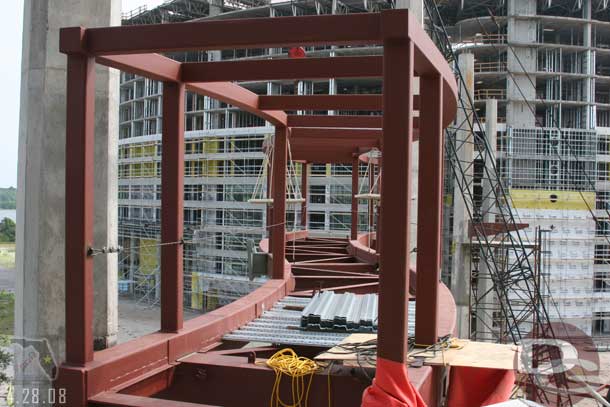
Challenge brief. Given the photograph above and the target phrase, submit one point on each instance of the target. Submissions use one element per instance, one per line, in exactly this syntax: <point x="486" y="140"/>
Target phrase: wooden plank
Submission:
<point x="126" y="400"/>
<point x="469" y="354"/>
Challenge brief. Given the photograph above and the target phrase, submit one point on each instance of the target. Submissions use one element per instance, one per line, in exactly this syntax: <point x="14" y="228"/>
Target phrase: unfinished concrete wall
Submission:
<point x="521" y="58"/>
<point x="40" y="294"/>
<point x="460" y="266"/>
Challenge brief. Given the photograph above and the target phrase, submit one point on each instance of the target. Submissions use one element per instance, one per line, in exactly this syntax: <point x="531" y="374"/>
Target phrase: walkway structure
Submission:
<point x="145" y="370"/>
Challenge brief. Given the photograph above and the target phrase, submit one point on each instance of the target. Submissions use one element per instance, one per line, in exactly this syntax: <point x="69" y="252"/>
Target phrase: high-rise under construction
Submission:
<point x="536" y="77"/>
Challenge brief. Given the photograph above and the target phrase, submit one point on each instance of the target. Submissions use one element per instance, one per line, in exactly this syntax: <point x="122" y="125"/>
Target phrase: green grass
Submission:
<point x="7" y="313"/>
<point x="7" y="255"/>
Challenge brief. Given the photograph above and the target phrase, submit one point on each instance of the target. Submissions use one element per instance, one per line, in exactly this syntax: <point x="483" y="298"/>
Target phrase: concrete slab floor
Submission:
<point x="137" y="319"/>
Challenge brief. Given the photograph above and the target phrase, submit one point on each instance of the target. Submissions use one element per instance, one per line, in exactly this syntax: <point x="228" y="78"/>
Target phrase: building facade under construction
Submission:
<point x="539" y="72"/>
<point x="536" y="90"/>
<point x="226" y="166"/>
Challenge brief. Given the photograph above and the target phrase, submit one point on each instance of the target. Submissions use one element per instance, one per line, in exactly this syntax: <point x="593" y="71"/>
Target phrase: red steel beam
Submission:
<point x="321" y="102"/>
<point x="240" y="97"/>
<point x="336" y="157"/>
<point x="325" y="102"/>
<point x="269" y="211"/>
<point x="80" y="134"/>
<point x="278" y="228"/>
<point x="311" y="134"/>
<point x="127" y="400"/>
<point x="304" y="193"/>
<point x="153" y="66"/>
<point x="395" y="199"/>
<point x="172" y="206"/>
<point x="275" y="69"/>
<point x="354" y="225"/>
<point x="239" y="33"/>
<point x="352" y="121"/>
<point x="345" y="121"/>
<point x="162" y="68"/>
<point x="429" y="207"/>
<point x="371" y="203"/>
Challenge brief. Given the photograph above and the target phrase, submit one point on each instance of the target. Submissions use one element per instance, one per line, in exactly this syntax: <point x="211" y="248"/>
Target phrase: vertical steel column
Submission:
<point x="429" y="207"/>
<point x="378" y="242"/>
<point x="304" y="193"/>
<point x="371" y="204"/>
<point x="278" y="227"/>
<point x="172" y="207"/>
<point x="354" y="228"/>
<point x="80" y="134"/>
<point x="269" y="207"/>
<point x="395" y="199"/>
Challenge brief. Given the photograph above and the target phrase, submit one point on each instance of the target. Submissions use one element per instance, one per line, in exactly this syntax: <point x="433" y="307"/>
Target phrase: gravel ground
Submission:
<point x="7" y="279"/>
<point x="137" y="319"/>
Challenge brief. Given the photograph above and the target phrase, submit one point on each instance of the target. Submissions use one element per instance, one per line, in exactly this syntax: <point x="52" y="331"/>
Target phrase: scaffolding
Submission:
<point x="506" y="288"/>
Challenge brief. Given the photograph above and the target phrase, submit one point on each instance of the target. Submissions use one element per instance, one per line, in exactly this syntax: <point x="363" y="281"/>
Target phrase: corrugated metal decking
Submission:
<point x="283" y="326"/>
<point x="350" y="312"/>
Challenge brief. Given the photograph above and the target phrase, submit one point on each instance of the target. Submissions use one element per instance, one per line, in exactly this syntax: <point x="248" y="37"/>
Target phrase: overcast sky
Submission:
<point x="10" y="71"/>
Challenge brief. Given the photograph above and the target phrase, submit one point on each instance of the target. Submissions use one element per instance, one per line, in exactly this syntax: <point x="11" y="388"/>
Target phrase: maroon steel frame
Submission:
<point x="407" y="53"/>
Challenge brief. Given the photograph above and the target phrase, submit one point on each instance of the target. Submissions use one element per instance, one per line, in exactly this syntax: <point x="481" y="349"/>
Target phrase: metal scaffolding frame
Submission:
<point x="509" y="260"/>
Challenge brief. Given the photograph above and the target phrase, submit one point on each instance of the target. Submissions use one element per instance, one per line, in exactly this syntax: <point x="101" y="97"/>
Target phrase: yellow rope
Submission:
<point x="299" y="369"/>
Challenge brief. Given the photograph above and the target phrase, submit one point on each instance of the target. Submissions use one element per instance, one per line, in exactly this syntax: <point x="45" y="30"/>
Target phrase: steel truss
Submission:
<point x="509" y="260"/>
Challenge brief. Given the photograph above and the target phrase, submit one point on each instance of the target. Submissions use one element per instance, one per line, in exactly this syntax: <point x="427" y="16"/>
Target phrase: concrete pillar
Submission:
<point x="415" y="6"/>
<point x="589" y="68"/>
<point x="460" y="265"/>
<point x="487" y="302"/>
<point x="521" y="58"/>
<point x="40" y="292"/>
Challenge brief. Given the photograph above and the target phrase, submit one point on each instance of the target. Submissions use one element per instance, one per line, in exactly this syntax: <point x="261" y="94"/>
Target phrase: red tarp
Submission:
<point x="391" y="387"/>
<point x="475" y="387"/>
<point x="468" y="387"/>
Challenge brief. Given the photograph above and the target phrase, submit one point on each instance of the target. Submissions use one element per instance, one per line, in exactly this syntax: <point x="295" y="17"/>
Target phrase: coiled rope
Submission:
<point x="300" y="369"/>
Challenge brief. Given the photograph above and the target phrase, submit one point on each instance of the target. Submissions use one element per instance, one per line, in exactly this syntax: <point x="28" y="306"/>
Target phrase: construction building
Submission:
<point x="303" y="211"/>
<point x="539" y="65"/>
<point x="224" y="150"/>
<point x="545" y="65"/>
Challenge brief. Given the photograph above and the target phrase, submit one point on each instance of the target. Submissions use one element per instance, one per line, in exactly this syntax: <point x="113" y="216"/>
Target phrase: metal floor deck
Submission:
<point x="282" y="326"/>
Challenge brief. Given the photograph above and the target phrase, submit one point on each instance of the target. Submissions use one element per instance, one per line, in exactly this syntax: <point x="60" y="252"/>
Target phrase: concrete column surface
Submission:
<point x="521" y="60"/>
<point x="40" y="293"/>
<point x="460" y="267"/>
<point x="487" y="302"/>
<point x="417" y="8"/>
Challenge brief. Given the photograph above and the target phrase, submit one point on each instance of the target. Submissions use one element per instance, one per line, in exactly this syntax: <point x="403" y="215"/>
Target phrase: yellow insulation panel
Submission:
<point x="544" y="199"/>
<point x="148" y="255"/>
<point x="210" y="146"/>
<point x="196" y="292"/>
<point x="212" y="168"/>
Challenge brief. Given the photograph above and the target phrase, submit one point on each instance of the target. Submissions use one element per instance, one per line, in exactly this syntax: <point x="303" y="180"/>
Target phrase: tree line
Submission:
<point x="8" y="198"/>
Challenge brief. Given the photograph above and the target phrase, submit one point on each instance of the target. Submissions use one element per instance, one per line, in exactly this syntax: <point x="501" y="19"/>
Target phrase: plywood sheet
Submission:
<point x="472" y="354"/>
